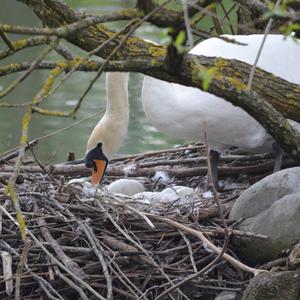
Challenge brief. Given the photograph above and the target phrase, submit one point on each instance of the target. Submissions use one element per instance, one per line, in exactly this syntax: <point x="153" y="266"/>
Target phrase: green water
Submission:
<point x="142" y="135"/>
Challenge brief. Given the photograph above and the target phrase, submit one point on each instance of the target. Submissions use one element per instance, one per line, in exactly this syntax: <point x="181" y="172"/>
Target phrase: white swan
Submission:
<point x="181" y="111"/>
<point x="108" y="134"/>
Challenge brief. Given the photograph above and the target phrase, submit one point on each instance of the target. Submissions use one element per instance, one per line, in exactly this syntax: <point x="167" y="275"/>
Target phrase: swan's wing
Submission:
<point x="280" y="55"/>
<point x="182" y="111"/>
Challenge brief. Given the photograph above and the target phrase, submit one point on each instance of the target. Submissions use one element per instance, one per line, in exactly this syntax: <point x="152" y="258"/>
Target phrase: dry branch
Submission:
<point x="142" y="261"/>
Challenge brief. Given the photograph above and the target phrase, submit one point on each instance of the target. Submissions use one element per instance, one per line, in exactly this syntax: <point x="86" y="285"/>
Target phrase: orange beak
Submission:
<point x="97" y="174"/>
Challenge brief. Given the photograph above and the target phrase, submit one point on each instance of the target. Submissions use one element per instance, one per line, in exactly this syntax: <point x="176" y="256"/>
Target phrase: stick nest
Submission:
<point x="104" y="247"/>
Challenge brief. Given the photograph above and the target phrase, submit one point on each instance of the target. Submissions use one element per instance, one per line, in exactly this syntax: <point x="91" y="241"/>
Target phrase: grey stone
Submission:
<point x="127" y="187"/>
<point x="280" y="222"/>
<point x="274" y="286"/>
<point x="264" y="193"/>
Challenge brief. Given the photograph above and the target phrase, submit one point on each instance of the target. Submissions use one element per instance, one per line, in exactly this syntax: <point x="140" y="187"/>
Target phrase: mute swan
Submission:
<point x="181" y="111"/>
<point x="108" y="134"/>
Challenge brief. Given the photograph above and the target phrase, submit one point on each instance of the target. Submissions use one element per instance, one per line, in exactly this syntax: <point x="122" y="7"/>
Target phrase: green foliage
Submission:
<point x="179" y="41"/>
<point x="207" y="76"/>
<point x="287" y="29"/>
<point x="166" y="37"/>
<point x="280" y="11"/>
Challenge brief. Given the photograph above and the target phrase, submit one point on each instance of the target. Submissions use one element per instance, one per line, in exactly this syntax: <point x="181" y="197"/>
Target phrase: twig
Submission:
<point x="15" y="83"/>
<point x="136" y="244"/>
<point x="226" y="15"/>
<point x="188" y="244"/>
<point x="7" y="271"/>
<point x="59" y="31"/>
<point x="217" y="201"/>
<point x="71" y="283"/>
<point x="98" y="250"/>
<point x="7" y="41"/>
<point x="48" y="289"/>
<point x="138" y="212"/>
<point x="22" y="262"/>
<point x="54" y="260"/>
<point x="7" y="157"/>
<point x="41" y="165"/>
<point x="216" y="22"/>
<point x="267" y="30"/>
<point x="71" y="265"/>
<point x="65" y="52"/>
<point x="209" y="244"/>
<point x="187" y="25"/>
<point x="116" y="244"/>
<point x="25" y="43"/>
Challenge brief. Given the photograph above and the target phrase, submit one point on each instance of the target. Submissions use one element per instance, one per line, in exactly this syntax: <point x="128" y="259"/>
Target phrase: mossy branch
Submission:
<point x="24" y="43"/>
<point x="10" y="191"/>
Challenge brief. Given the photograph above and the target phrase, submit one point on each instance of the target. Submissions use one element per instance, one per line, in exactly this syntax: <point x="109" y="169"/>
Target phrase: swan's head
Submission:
<point x="96" y="160"/>
<point x="107" y="136"/>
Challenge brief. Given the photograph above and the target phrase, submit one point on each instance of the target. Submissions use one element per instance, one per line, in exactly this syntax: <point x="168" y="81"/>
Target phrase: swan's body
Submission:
<point x="107" y="136"/>
<point x="181" y="111"/>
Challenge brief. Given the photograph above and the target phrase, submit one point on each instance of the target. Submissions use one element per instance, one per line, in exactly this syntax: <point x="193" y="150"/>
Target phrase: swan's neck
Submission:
<point x="117" y="94"/>
<point x="112" y="128"/>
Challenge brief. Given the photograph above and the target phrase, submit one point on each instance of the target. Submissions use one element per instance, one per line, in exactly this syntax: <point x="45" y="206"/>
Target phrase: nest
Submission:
<point x="109" y="246"/>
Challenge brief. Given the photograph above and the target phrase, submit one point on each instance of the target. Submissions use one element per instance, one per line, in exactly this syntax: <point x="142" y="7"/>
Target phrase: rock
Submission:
<point x="127" y="187"/>
<point x="264" y="193"/>
<point x="270" y="207"/>
<point x="280" y="222"/>
<point x="275" y="286"/>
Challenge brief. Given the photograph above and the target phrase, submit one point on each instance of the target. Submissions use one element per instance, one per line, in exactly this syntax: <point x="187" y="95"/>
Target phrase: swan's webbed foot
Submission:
<point x="278" y="157"/>
<point x="214" y="158"/>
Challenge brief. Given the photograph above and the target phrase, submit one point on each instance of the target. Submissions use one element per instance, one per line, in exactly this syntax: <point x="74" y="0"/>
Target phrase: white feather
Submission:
<point x="181" y="111"/>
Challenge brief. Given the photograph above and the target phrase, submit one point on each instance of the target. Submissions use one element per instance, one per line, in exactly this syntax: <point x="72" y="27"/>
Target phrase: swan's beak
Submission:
<point x="98" y="171"/>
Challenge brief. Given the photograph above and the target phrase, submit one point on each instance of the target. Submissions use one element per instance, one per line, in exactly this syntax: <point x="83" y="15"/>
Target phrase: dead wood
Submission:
<point x="111" y="244"/>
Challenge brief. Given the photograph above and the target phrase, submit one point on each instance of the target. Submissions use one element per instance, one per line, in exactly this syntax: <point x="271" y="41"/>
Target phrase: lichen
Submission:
<point x="221" y="63"/>
<point x="25" y="125"/>
<point x="237" y="84"/>
<point x="157" y="51"/>
<point x="53" y="113"/>
<point x="10" y="192"/>
<point x="5" y="27"/>
<point x="20" y="44"/>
